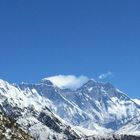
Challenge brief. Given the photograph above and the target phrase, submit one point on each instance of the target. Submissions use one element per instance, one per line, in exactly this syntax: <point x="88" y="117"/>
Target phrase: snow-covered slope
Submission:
<point x="92" y="106"/>
<point x="32" y="113"/>
<point x="137" y="101"/>
<point x="132" y="127"/>
<point x="106" y="105"/>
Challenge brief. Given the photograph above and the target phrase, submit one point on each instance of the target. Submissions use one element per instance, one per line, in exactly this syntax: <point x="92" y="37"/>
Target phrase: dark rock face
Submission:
<point x="48" y="121"/>
<point x="56" y="125"/>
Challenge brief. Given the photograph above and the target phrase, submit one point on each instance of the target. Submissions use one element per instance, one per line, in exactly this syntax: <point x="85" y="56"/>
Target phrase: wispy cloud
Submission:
<point x="105" y="75"/>
<point x="68" y="81"/>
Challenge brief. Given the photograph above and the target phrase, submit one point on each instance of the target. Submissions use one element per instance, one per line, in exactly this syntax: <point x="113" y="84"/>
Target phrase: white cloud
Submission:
<point x="105" y="75"/>
<point x="68" y="81"/>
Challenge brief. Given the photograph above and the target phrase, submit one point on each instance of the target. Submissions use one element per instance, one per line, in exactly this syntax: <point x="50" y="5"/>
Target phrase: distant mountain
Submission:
<point x="45" y="111"/>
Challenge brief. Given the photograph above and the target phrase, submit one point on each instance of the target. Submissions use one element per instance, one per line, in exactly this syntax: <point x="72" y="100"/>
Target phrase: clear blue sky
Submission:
<point x="40" y="38"/>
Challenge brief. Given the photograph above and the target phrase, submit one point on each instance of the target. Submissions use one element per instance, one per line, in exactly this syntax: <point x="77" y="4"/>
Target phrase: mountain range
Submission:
<point x="44" y="111"/>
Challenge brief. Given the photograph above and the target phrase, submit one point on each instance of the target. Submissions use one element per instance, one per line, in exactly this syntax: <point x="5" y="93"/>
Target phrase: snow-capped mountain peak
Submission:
<point x="46" y="81"/>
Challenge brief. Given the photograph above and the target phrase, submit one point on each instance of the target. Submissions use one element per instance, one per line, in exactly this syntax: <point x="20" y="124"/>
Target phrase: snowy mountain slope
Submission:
<point x="137" y="101"/>
<point x="98" y="104"/>
<point x="132" y="127"/>
<point x="30" y="111"/>
<point x="59" y="104"/>
<point x="94" y="106"/>
<point x="109" y="107"/>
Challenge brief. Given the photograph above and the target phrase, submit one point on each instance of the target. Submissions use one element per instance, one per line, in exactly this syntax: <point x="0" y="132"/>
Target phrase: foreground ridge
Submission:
<point x="9" y="130"/>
